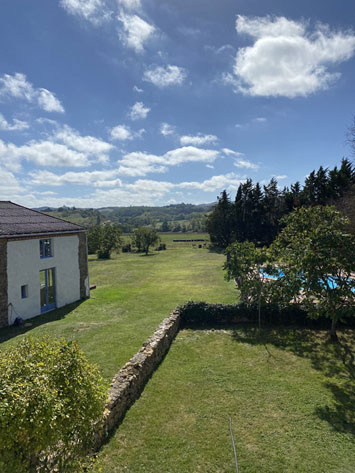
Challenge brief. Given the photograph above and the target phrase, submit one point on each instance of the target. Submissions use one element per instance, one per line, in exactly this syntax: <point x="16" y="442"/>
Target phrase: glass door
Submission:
<point x="47" y="282"/>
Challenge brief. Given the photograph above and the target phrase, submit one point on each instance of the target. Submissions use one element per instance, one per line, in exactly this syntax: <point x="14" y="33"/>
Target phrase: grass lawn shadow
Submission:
<point x="334" y="360"/>
<point x="57" y="314"/>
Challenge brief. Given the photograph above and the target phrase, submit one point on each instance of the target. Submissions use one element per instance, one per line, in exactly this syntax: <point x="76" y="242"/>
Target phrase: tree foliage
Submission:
<point x="246" y="264"/>
<point x="104" y="239"/>
<point x="257" y="210"/>
<point x="316" y="257"/>
<point x="144" y="237"/>
<point x="51" y="402"/>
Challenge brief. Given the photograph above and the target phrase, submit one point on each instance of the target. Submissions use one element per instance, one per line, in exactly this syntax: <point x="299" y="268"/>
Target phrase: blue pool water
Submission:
<point x="331" y="281"/>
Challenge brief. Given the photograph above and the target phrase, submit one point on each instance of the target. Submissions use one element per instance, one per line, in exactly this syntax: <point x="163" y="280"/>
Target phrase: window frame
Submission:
<point x="43" y="246"/>
<point x="24" y="291"/>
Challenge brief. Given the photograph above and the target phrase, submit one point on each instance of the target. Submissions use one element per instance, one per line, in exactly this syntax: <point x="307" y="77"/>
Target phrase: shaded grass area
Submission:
<point x="134" y="294"/>
<point x="290" y="397"/>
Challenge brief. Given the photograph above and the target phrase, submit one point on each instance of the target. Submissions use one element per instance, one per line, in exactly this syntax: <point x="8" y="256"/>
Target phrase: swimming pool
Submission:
<point x="331" y="281"/>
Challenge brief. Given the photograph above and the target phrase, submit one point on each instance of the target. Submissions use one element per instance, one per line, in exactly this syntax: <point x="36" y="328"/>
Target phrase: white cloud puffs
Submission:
<point x="287" y="59"/>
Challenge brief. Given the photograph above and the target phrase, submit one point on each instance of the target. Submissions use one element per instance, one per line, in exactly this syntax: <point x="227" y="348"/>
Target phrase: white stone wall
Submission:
<point x="23" y="267"/>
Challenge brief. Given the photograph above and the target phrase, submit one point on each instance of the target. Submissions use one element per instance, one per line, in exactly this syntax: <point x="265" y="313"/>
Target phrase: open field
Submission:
<point x="134" y="294"/>
<point x="290" y="398"/>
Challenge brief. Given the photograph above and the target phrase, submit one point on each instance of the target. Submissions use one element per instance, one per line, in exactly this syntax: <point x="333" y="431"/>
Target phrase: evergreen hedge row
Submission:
<point x="204" y="314"/>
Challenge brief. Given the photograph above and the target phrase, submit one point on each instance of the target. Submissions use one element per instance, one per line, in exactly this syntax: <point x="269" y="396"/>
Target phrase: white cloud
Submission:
<point x="75" y="152"/>
<point x="86" y="178"/>
<point x="287" y="59"/>
<point x="165" y="76"/>
<point x="121" y="132"/>
<point x="85" y="144"/>
<point x="17" y="125"/>
<point x="135" y="31"/>
<point x="230" y="152"/>
<point x="130" y="4"/>
<point x="137" y="89"/>
<point x="90" y="10"/>
<point x="166" y="129"/>
<point x="9" y="184"/>
<point x="229" y="181"/>
<point x="188" y="154"/>
<point x="283" y="176"/>
<point x="17" y="86"/>
<point x="156" y="187"/>
<point x="49" y="102"/>
<point x="198" y="140"/>
<point x="47" y="153"/>
<point x="210" y="166"/>
<point x="244" y="163"/>
<point x="140" y="164"/>
<point x="139" y="111"/>
<point x="260" y="120"/>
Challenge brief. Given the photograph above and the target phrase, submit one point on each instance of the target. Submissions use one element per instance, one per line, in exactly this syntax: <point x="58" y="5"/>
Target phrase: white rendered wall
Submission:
<point x="23" y="267"/>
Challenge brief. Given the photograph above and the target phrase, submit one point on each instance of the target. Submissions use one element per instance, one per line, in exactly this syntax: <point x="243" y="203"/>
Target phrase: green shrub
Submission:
<point x="201" y="313"/>
<point x="161" y="247"/>
<point x="51" y="405"/>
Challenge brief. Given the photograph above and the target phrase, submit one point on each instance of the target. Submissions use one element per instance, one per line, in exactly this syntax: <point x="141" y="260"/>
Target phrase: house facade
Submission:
<point x="43" y="263"/>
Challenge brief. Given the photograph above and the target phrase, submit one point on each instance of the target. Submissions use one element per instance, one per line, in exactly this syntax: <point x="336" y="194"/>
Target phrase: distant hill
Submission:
<point x="174" y="217"/>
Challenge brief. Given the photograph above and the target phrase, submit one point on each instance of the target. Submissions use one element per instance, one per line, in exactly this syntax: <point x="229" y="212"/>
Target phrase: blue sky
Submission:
<point x="151" y="102"/>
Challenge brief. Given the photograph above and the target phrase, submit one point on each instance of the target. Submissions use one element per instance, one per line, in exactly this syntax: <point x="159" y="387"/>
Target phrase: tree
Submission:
<point x="316" y="256"/>
<point x="109" y="240"/>
<point x="220" y="221"/>
<point x="351" y="136"/>
<point x="246" y="264"/>
<point x="165" y="227"/>
<point x="94" y="237"/>
<point x="144" y="237"/>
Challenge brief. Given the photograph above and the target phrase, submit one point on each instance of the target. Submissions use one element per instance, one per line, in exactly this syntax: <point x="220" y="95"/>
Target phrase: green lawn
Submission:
<point x="134" y="294"/>
<point x="291" y="399"/>
<point x="290" y="396"/>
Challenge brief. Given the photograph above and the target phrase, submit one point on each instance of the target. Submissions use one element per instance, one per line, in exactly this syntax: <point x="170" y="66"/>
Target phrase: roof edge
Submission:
<point x="21" y="235"/>
<point x="42" y="213"/>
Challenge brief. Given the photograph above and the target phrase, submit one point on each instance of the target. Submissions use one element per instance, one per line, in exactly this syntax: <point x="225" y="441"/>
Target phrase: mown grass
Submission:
<point x="134" y="294"/>
<point x="290" y="397"/>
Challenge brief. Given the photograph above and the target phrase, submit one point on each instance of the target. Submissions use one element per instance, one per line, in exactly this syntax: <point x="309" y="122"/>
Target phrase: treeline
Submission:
<point x="256" y="211"/>
<point x="171" y="218"/>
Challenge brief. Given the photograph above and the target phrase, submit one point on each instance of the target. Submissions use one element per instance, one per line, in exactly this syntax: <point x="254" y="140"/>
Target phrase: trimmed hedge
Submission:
<point x="201" y="313"/>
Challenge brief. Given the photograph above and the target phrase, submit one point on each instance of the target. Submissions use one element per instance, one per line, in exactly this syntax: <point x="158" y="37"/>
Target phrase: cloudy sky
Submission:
<point x="131" y="102"/>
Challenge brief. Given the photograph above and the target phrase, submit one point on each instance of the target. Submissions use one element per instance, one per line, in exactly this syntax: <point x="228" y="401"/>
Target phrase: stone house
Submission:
<point x="43" y="263"/>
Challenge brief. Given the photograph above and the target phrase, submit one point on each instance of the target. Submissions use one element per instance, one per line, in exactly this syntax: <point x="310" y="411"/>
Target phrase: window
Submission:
<point x="45" y="248"/>
<point x="47" y="284"/>
<point x="24" y="291"/>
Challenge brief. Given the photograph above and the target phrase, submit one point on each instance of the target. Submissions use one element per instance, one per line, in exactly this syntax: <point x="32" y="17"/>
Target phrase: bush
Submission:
<point x="51" y="405"/>
<point x="202" y="313"/>
<point x="127" y="248"/>
<point x="161" y="247"/>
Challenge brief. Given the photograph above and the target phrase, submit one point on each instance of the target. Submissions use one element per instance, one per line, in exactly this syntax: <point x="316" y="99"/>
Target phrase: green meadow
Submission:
<point x="290" y="396"/>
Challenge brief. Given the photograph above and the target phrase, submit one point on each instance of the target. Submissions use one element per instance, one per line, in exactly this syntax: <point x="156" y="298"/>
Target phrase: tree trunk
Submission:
<point x="333" y="334"/>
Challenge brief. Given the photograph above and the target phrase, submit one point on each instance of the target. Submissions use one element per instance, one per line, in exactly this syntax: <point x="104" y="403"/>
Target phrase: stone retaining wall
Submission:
<point x="129" y="382"/>
<point x="3" y="284"/>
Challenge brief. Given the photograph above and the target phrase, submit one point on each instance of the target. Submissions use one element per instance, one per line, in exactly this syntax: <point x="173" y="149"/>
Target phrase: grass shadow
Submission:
<point x="334" y="360"/>
<point x="57" y="314"/>
<point x="216" y="249"/>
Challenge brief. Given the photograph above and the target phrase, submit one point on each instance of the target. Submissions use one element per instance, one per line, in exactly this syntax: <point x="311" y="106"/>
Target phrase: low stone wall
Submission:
<point x="129" y="382"/>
